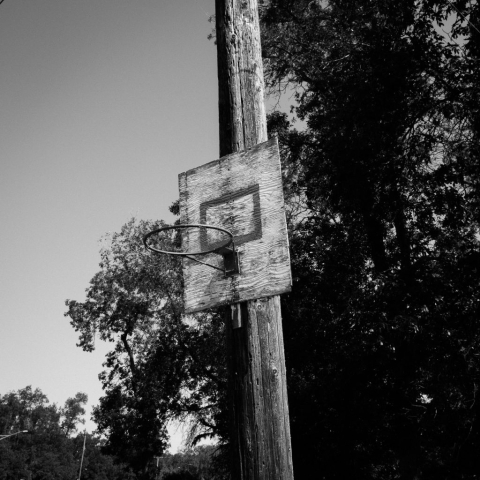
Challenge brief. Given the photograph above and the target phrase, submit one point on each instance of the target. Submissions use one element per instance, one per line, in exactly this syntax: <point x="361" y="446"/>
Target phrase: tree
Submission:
<point x="381" y="326"/>
<point x="162" y="366"/>
<point x="72" y="412"/>
<point x="197" y="463"/>
<point x="46" y="452"/>
<point x="96" y="465"/>
<point x="27" y="409"/>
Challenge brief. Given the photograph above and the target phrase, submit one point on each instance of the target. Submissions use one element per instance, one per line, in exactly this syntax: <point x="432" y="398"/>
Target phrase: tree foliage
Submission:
<point x="48" y="450"/>
<point x="72" y="412"/>
<point x="381" y="329"/>
<point x="162" y="366"/>
<point x="191" y="464"/>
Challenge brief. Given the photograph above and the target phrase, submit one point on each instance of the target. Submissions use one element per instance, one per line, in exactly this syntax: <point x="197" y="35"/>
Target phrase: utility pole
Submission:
<point x="259" y="420"/>
<point x="156" y="471"/>
<point x="83" y="455"/>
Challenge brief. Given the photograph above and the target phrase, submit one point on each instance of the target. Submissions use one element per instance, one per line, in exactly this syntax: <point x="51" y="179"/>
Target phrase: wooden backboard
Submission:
<point x="242" y="193"/>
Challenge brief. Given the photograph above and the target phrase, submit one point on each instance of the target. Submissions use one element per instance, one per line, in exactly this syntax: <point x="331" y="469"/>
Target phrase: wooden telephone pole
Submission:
<point x="260" y="429"/>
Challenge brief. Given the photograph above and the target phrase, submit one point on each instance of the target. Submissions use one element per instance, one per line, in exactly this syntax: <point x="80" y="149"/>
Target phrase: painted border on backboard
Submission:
<point x="254" y="234"/>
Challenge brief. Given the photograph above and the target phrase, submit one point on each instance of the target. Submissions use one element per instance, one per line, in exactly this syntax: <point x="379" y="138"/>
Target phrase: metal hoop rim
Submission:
<point x="190" y="225"/>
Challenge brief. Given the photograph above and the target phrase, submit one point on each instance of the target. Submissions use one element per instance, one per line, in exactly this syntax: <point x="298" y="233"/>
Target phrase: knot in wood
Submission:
<point x="259" y="304"/>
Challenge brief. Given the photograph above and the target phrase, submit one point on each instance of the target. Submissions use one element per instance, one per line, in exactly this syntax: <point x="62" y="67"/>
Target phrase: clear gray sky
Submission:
<point x="102" y="104"/>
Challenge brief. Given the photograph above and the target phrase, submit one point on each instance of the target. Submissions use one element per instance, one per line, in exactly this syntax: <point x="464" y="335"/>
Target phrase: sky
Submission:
<point x="102" y="104"/>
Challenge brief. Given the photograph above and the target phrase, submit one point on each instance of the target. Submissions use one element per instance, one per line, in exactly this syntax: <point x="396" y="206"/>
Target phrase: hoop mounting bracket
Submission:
<point x="231" y="262"/>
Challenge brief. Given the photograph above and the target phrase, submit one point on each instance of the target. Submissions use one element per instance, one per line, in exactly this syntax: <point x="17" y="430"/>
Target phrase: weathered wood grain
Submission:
<point x="260" y="433"/>
<point x="260" y="232"/>
<point x="241" y="90"/>
<point x="260" y="429"/>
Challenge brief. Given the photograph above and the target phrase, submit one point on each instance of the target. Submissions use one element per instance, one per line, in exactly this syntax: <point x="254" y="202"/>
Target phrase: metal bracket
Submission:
<point x="231" y="262"/>
<point x="236" y="315"/>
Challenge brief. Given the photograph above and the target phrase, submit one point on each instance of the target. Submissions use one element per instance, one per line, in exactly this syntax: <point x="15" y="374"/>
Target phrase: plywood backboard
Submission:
<point x="242" y="193"/>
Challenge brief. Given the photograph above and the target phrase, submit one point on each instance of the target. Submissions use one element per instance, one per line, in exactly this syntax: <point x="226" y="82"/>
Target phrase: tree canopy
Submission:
<point x="163" y="366"/>
<point x="49" y="446"/>
<point x="381" y="328"/>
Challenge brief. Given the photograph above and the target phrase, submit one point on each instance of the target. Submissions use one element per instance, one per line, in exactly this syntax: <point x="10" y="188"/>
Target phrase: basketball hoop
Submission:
<point x="230" y="255"/>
